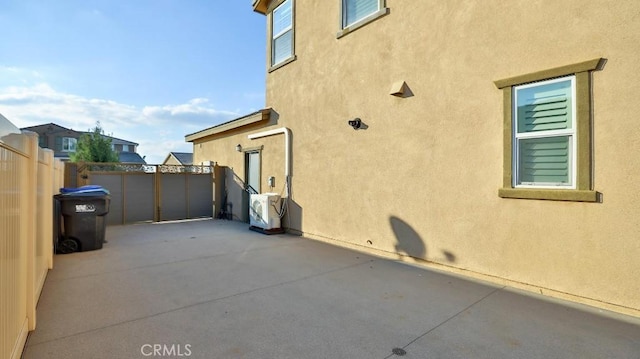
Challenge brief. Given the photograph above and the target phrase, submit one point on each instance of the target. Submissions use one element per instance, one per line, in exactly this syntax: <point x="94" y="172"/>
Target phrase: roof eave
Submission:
<point x="260" y="6"/>
<point x="262" y="115"/>
<point x="168" y="156"/>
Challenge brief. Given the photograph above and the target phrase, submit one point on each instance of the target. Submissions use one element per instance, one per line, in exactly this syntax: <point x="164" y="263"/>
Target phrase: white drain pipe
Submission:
<point x="287" y="151"/>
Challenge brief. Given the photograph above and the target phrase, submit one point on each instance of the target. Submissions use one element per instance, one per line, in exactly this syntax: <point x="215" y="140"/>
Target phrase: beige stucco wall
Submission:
<point x="423" y="179"/>
<point x="221" y="149"/>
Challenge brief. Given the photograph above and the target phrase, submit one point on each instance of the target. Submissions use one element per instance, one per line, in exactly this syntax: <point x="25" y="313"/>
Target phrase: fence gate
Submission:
<point x="145" y="193"/>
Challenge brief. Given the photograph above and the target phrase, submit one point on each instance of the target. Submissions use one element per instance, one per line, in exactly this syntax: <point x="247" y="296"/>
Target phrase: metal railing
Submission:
<point x="29" y="177"/>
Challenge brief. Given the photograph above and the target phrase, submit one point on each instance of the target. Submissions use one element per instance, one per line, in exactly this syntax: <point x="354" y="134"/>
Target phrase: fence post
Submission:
<point x="60" y="171"/>
<point x="29" y="219"/>
<point x="81" y="167"/>
<point x="157" y="178"/>
<point x="186" y="191"/>
<point x="48" y="210"/>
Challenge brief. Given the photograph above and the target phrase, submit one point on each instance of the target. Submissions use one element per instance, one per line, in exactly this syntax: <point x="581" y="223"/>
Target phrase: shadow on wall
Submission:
<point x="292" y="220"/>
<point x="234" y="204"/>
<point x="232" y="196"/>
<point x="410" y="243"/>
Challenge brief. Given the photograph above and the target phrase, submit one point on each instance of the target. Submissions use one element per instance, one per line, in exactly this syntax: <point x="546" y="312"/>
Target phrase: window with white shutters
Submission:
<point x="355" y="14"/>
<point x="356" y="10"/>
<point x="545" y="133"/>
<point x="282" y="33"/>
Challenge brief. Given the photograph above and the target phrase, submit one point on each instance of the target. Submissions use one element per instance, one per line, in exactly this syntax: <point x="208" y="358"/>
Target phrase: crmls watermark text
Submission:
<point x="166" y="350"/>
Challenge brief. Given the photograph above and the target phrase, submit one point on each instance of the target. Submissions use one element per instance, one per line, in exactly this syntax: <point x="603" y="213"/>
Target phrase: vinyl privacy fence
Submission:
<point x="149" y="193"/>
<point x="29" y="177"/>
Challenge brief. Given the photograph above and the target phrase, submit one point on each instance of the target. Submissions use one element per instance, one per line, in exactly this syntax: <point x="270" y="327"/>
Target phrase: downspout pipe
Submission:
<point x="287" y="150"/>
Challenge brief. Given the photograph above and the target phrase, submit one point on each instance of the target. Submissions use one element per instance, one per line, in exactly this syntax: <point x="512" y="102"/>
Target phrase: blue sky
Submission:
<point x="151" y="71"/>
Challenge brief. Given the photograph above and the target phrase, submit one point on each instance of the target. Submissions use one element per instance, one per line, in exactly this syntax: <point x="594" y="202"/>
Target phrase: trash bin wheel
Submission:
<point x="67" y="246"/>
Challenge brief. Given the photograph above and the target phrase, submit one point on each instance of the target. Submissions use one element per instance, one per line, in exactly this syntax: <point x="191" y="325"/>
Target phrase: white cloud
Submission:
<point x="157" y="150"/>
<point x="157" y="129"/>
<point x="42" y="104"/>
<point x="196" y="111"/>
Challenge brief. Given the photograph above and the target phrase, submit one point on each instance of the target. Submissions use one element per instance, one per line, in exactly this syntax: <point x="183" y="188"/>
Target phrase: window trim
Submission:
<point x="348" y="28"/>
<point x="583" y="191"/>
<point x="247" y="153"/>
<point x="273" y="7"/>
<point x="516" y="137"/>
<point x="66" y="139"/>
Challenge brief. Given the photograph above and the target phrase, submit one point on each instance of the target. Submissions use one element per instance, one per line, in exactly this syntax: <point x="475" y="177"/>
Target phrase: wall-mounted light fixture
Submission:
<point x="357" y="124"/>
<point x="239" y="147"/>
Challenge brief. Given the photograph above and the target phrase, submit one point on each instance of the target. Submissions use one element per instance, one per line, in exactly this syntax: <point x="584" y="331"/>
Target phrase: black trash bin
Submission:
<point x="84" y="219"/>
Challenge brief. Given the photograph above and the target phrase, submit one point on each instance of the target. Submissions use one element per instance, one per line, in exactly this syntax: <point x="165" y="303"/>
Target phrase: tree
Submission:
<point x="94" y="146"/>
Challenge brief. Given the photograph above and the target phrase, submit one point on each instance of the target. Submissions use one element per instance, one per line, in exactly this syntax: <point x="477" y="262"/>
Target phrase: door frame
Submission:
<point x="246" y="197"/>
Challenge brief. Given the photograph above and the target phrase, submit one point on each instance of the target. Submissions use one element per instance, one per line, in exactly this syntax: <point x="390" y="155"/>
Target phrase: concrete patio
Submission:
<point x="213" y="289"/>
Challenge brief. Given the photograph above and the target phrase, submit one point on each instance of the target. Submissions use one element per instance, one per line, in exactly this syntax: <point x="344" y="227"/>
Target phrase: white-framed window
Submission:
<point x="69" y="144"/>
<point x="354" y="11"/>
<point x="282" y="33"/>
<point x="544" y="134"/>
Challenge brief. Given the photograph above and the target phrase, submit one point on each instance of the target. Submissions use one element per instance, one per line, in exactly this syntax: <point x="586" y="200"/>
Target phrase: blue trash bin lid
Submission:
<point x="86" y="190"/>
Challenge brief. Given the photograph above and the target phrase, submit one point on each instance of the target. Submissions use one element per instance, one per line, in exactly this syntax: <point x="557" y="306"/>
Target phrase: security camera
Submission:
<point x="356" y="123"/>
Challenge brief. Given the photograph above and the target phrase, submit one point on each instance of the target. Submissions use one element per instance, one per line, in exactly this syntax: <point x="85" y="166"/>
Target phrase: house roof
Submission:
<point x="53" y="128"/>
<point x="184" y="158"/>
<point x="119" y="141"/>
<point x="131" y="157"/>
<point x="261" y="115"/>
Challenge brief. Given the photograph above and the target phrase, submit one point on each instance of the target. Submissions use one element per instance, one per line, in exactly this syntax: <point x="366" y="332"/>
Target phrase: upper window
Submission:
<point x="357" y="13"/>
<point x="547" y="134"/>
<point x="69" y="144"/>
<point x="544" y="134"/>
<point x="282" y="33"/>
<point x="356" y="10"/>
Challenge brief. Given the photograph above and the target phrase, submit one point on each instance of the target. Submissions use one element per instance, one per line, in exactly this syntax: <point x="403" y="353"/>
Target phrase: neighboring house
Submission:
<point x="495" y="139"/>
<point x="127" y="151"/>
<point x="119" y="145"/>
<point x="63" y="142"/>
<point x="179" y="159"/>
<point x="131" y="158"/>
